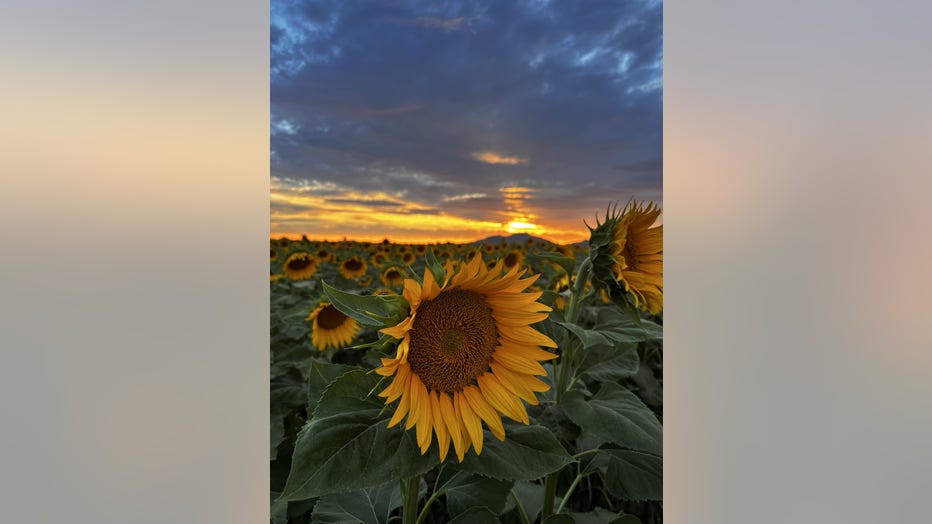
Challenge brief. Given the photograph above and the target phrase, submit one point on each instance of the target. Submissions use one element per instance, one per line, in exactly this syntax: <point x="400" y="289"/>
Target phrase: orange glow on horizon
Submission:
<point x="327" y="211"/>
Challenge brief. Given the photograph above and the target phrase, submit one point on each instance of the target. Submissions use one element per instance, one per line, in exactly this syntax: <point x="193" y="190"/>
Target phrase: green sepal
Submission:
<point x="370" y="310"/>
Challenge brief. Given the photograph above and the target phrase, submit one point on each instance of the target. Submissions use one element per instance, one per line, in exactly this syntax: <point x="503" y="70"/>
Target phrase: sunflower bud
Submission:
<point x="627" y="257"/>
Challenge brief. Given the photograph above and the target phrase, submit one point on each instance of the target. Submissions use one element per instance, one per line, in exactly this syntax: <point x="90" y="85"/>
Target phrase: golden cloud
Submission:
<point x="491" y="157"/>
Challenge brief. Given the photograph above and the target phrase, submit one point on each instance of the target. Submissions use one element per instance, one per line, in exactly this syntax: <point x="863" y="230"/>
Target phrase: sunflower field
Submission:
<point x="510" y="381"/>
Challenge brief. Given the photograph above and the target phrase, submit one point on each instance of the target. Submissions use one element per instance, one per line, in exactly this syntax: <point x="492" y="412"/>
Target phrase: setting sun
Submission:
<point x="520" y="227"/>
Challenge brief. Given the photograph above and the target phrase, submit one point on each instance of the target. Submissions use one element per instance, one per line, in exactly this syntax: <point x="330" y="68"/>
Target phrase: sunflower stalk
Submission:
<point x="577" y="296"/>
<point x="409" y="499"/>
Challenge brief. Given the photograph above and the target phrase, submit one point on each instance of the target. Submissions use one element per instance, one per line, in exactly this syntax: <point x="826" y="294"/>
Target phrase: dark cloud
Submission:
<point x="403" y="96"/>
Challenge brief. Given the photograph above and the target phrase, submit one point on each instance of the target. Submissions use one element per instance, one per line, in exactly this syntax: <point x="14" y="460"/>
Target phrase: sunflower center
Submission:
<point x="452" y="340"/>
<point x="353" y="264"/>
<point x="392" y="275"/>
<point x="272" y="253"/>
<point x="511" y="259"/>
<point x="298" y="264"/>
<point x="330" y="318"/>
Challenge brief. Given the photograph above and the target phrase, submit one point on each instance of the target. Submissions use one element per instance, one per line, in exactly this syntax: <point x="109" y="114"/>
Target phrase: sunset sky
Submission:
<point x="454" y="121"/>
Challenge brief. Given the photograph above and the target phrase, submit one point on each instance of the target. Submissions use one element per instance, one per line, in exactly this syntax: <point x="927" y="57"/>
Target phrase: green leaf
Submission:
<point x="531" y="495"/>
<point x="292" y="322"/>
<point x="369" y="506"/>
<point x="278" y="511"/>
<point x="347" y="445"/>
<point x="435" y="267"/>
<point x="277" y="430"/>
<point x="604" y="516"/>
<point x="288" y="389"/>
<point x="466" y="490"/>
<point x="588" y="337"/>
<point x="370" y="310"/>
<point x="527" y="453"/>
<point x="566" y="264"/>
<point x="476" y="516"/>
<point x="634" y="475"/>
<point x="650" y="390"/>
<point x="621" y="328"/>
<point x="618" y="416"/>
<point x="322" y="373"/>
<point x="609" y="363"/>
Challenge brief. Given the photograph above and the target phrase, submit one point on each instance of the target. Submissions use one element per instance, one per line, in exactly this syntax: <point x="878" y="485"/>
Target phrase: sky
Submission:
<point x="454" y="121"/>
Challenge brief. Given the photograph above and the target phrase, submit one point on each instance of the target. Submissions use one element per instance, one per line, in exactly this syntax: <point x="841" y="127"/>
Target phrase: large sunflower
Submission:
<point x="467" y="353"/>
<point x="330" y="328"/>
<point x="638" y="253"/>
<point x="299" y="265"/>
<point x="353" y="267"/>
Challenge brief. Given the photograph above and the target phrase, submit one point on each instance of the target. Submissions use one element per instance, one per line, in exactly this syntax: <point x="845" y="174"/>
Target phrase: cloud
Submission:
<point x="460" y="198"/>
<point x="399" y="98"/>
<point x="491" y="157"/>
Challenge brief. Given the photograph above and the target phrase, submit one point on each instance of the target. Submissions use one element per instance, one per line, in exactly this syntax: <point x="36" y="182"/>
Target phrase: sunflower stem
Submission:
<point x="521" y="511"/>
<point x="550" y="491"/>
<point x="569" y="491"/>
<point x="409" y="499"/>
<point x="577" y="296"/>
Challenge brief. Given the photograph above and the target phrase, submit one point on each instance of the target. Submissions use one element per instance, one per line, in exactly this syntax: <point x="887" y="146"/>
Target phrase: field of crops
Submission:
<point x="512" y="382"/>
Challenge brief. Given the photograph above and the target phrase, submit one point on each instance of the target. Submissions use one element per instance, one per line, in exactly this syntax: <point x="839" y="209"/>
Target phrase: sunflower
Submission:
<point x="274" y="277"/>
<point x="392" y="277"/>
<point x="330" y="328"/>
<point x="407" y="257"/>
<point x="324" y="255"/>
<point x="365" y="281"/>
<point x="273" y="254"/>
<point x="378" y="259"/>
<point x="467" y="353"/>
<point x="299" y="265"/>
<point x="353" y="267"/>
<point x="513" y="259"/>
<point x="638" y="254"/>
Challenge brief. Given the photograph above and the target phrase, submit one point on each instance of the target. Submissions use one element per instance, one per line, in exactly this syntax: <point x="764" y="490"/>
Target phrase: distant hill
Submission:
<point x="517" y="238"/>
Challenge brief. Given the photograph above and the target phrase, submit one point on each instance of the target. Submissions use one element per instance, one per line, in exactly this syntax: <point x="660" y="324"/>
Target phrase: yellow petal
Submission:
<point x="430" y="289"/>
<point x="424" y="425"/>
<point x="440" y="427"/>
<point x="486" y="412"/>
<point x="412" y="293"/>
<point x="527" y="335"/>
<point x="450" y="418"/>
<point x="414" y="386"/>
<point x="518" y="363"/>
<point x="501" y="398"/>
<point x="470" y="421"/>
<point x="400" y="411"/>
<point x="529" y="352"/>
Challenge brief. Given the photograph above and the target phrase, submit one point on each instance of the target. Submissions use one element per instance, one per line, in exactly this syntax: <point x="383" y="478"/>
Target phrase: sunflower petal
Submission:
<point x="440" y="427"/>
<point x="487" y="413"/>
<point x="470" y="421"/>
<point x="451" y="418"/>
